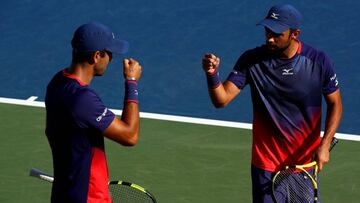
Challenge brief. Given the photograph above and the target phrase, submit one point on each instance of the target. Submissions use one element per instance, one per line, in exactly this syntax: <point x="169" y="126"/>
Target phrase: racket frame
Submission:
<point x="303" y="168"/>
<point x="133" y="185"/>
<point x="48" y="178"/>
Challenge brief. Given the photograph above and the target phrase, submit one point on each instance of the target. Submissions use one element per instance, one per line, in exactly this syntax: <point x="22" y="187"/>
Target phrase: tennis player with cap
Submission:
<point x="77" y="120"/>
<point x="287" y="79"/>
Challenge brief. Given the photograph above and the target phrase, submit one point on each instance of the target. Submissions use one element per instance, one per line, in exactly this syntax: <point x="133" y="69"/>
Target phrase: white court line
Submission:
<point x="165" y="117"/>
<point x="22" y="102"/>
<point x="32" y="98"/>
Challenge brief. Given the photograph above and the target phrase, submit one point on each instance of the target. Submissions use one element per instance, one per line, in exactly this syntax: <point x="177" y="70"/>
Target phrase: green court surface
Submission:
<point x="177" y="162"/>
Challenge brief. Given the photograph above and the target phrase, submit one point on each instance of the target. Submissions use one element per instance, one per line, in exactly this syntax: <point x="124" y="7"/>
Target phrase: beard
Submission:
<point x="278" y="50"/>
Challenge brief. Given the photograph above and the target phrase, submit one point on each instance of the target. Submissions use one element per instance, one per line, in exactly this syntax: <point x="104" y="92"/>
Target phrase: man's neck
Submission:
<point x="82" y="71"/>
<point x="291" y="50"/>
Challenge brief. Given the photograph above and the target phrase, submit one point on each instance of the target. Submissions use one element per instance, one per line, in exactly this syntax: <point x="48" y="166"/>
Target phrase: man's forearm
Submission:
<point x="333" y="117"/>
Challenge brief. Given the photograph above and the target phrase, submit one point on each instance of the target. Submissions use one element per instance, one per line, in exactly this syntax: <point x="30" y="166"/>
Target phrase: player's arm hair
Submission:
<point x="333" y="116"/>
<point x="125" y="130"/>
<point x="223" y="94"/>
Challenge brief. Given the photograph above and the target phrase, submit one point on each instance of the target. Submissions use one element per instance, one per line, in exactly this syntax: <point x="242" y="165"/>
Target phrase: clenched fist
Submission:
<point x="210" y="63"/>
<point x="132" y="69"/>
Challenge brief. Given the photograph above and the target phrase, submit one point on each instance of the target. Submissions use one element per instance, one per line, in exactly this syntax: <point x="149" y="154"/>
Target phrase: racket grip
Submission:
<point x="333" y="143"/>
<point x="41" y="175"/>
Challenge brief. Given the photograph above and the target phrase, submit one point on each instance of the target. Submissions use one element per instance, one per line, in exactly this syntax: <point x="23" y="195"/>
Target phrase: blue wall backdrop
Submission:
<point x="169" y="38"/>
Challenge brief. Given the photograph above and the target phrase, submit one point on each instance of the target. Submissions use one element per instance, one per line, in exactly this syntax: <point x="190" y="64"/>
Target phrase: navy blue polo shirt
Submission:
<point x="75" y="121"/>
<point x="286" y="96"/>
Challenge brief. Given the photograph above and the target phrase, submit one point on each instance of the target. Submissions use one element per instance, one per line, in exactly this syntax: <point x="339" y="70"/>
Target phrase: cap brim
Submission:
<point x="274" y="26"/>
<point x="118" y="46"/>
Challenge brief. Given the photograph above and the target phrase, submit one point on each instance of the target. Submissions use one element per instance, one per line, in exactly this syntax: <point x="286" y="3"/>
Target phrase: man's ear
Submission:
<point x="295" y="34"/>
<point x="96" y="56"/>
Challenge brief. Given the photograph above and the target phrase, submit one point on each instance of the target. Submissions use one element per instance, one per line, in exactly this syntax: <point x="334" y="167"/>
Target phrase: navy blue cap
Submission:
<point x="97" y="37"/>
<point x="281" y="18"/>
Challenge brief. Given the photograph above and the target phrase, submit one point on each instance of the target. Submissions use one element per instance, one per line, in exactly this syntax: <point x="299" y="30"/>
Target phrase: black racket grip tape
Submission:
<point x="333" y="143"/>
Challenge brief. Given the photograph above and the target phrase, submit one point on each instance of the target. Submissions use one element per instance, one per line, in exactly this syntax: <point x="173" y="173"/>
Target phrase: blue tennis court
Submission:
<point x="169" y="39"/>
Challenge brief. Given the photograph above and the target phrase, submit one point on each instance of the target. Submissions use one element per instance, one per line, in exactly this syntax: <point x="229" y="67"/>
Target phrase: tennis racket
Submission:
<point x="120" y="191"/>
<point x="297" y="183"/>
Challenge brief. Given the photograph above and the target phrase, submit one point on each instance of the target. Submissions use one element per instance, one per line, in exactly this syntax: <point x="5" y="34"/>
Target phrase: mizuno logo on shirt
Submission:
<point x="288" y="71"/>
<point x="98" y="119"/>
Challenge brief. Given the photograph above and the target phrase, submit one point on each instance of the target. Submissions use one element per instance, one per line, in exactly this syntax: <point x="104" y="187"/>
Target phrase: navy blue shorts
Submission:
<point x="262" y="186"/>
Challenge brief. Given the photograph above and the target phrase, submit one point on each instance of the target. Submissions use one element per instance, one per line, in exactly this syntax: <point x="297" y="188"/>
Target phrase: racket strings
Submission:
<point x="293" y="186"/>
<point x="127" y="194"/>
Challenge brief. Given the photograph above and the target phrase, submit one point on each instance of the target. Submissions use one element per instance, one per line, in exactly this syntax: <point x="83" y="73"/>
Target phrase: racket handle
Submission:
<point x="333" y="143"/>
<point x="41" y="175"/>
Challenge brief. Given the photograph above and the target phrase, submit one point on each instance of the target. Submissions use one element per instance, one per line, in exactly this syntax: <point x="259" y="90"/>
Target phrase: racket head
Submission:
<point x="126" y="192"/>
<point x="296" y="184"/>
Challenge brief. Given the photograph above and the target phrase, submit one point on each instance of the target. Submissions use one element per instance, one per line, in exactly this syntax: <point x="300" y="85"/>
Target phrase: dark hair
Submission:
<point x="292" y="30"/>
<point x="81" y="57"/>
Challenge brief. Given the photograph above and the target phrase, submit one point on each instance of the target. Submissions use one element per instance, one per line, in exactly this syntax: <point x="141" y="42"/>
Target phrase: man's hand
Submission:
<point x="322" y="156"/>
<point x="210" y="63"/>
<point x="132" y="69"/>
